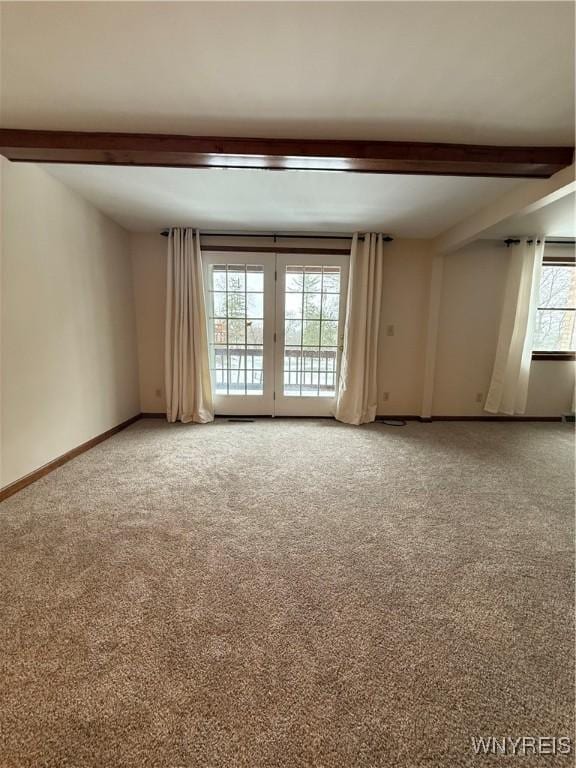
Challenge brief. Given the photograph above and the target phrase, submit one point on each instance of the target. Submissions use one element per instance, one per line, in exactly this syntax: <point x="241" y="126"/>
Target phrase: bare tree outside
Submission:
<point x="555" y="326"/>
<point x="312" y="298"/>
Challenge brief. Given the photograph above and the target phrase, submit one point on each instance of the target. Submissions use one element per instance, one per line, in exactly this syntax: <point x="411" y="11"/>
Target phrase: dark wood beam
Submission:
<point x="280" y="154"/>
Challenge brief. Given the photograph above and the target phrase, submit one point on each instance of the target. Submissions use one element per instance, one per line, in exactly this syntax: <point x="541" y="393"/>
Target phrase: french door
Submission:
<point x="275" y="330"/>
<point x="240" y="304"/>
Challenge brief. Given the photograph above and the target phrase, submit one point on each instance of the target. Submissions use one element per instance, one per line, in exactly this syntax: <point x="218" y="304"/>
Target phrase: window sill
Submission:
<point x="565" y="356"/>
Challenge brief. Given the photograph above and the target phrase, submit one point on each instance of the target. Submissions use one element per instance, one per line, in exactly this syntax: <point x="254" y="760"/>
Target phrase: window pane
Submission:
<point x="236" y="368"/>
<point x="219" y="356"/>
<point x="219" y="305"/>
<point x="312" y="304"/>
<point x="558" y="287"/>
<point x="313" y="279"/>
<point x="236" y="305"/>
<point x="254" y="278"/>
<point x="255" y="305"/>
<point x="293" y="306"/>
<point x="236" y="277"/>
<point x="293" y="332"/>
<point x="310" y="359"/>
<point x="237" y="374"/>
<point x="331" y="280"/>
<point x="554" y="331"/>
<point x="255" y="358"/>
<point x="330" y="333"/>
<point x="330" y="306"/>
<point x="219" y="332"/>
<point x="294" y="279"/>
<point x="255" y="331"/>
<point x="311" y="331"/>
<point x="292" y="359"/>
<point x="219" y="277"/>
<point x="220" y="381"/>
<point x="236" y="330"/>
<point x="292" y="370"/>
<point x="236" y="358"/>
<point x="310" y="373"/>
<point x="254" y="383"/>
<point x="328" y="368"/>
<point x="254" y="376"/>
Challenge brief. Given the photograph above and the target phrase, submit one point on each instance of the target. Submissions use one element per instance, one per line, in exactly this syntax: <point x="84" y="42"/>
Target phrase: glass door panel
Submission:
<point x="310" y="303"/>
<point x="240" y="315"/>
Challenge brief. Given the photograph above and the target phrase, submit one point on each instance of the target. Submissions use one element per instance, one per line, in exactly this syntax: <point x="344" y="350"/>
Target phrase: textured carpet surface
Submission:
<point x="290" y="593"/>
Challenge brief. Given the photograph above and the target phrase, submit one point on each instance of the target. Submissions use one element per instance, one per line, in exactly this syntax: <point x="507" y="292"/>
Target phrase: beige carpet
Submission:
<point x="290" y="593"/>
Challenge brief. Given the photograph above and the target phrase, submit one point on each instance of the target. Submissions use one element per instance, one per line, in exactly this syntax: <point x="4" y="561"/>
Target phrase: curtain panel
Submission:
<point x="358" y="387"/>
<point x="187" y="365"/>
<point x="510" y="376"/>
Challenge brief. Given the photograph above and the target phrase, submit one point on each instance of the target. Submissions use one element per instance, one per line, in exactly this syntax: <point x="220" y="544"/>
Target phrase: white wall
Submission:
<point x="406" y="272"/>
<point x="470" y="307"/>
<point x="551" y="389"/>
<point x="471" y="302"/>
<point x="149" y="270"/>
<point x="68" y="339"/>
<point x="73" y="364"/>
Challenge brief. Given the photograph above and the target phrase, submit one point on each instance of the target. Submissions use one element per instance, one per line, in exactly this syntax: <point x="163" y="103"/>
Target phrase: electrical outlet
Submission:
<point x="479" y="397"/>
<point x="389" y="330"/>
<point x="158" y="392"/>
<point x="385" y="396"/>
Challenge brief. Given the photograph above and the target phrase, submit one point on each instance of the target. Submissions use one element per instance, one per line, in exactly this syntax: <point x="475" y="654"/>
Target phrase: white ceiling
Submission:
<point x="486" y="72"/>
<point x="148" y="199"/>
<point x="558" y="219"/>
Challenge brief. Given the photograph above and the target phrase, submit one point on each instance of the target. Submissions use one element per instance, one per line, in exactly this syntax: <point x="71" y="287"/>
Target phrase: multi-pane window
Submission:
<point x="555" y="316"/>
<point x="312" y="304"/>
<point x="236" y="323"/>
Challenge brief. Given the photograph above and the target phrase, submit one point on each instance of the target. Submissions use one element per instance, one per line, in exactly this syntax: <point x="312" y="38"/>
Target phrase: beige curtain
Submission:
<point x="358" y="387"/>
<point x="509" y="385"/>
<point x="188" y="384"/>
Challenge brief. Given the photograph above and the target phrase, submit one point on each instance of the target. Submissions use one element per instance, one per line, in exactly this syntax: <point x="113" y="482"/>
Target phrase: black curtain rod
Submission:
<point x="514" y="241"/>
<point x="386" y="238"/>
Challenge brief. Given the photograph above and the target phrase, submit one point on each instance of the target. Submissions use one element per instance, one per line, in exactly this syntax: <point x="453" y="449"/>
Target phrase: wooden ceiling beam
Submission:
<point x="280" y="154"/>
<point x="521" y="200"/>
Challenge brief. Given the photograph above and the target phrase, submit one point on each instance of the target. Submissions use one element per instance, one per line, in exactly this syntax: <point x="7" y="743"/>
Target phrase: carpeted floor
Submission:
<point x="290" y="593"/>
